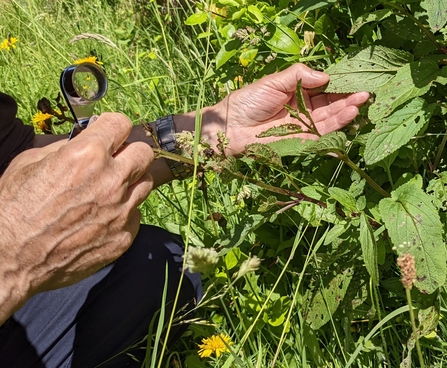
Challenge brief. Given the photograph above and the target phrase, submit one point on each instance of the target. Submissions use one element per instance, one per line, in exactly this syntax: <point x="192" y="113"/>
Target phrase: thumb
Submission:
<point x="287" y="79"/>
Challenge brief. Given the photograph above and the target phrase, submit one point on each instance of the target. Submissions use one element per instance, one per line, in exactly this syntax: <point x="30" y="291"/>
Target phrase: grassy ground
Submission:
<point x="156" y="67"/>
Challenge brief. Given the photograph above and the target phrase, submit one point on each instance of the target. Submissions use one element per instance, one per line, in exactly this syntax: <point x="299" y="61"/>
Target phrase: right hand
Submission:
<point x="70" y="208"/>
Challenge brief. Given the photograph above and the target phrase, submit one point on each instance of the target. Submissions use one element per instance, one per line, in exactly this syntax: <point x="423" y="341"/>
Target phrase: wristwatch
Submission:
<point x="165" y="130"/>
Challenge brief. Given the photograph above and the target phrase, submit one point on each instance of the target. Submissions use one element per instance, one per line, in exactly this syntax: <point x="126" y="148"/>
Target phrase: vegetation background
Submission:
<point x="328" y="292"/>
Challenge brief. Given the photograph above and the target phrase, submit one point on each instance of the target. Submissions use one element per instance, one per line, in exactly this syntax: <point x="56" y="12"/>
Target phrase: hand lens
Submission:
<point x="82" y="86"/>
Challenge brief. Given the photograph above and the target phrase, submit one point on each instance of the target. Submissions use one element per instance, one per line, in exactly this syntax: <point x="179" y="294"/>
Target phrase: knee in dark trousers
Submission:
<point x="86" y="324"/>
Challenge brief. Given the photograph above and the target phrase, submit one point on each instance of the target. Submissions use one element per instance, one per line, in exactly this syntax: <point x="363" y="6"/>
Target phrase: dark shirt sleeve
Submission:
<point x="15" y="137"/>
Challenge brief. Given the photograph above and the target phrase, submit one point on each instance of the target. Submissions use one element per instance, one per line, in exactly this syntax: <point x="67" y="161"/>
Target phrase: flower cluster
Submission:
<point x="201" y="259"/>
<point x="408" y="269"/>
<point x="216" y="344"/>
<point x="8" y="43"/>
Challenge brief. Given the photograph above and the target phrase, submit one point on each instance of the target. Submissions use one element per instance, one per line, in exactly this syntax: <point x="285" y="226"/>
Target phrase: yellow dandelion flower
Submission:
<point x="216" y="344"/>
<point x="8" y="43"/>
<point x="89" y="59"/>
<point x="39" y="120"/>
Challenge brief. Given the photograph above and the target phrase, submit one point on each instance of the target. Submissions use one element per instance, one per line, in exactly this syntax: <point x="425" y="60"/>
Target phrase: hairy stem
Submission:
<point x="364" y="175"/>
<point x="413" y="326"/>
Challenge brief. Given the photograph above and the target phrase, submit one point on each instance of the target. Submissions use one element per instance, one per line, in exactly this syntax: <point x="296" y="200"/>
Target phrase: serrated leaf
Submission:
<point x="412" y="80"/>
<point x="283" y="40"/>
<point x="332" y="142"/>
<point x="345" y="198"/>
<point x="263" y="154"/>
<point x="414" y="227"/>
<point x="301" y="102"/>
<point x="228" y="50"/>
<point x="327" y="298"/>
<point x="308" y="5"/>
<point x="366" y="70"/>
<point x="196" y="18"/>
<point x="281" y="131"/>
<point x="375" y="16"/>
<point x="397" y="130"/>
<point x="291" y="146"/>
<point x="369" y="249"/>
<point x="436" y="12"/>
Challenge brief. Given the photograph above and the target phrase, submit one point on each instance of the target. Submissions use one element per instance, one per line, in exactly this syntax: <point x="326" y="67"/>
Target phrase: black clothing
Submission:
<point x="15" y="137"/>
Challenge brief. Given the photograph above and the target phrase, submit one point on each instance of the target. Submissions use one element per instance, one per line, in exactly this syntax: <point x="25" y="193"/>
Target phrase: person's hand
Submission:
<point x="70" y="208"/>
<point x="260" y="106"/>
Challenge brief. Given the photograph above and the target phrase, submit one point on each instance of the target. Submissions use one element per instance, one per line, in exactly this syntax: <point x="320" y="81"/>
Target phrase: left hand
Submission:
<point x="260" y="106"/>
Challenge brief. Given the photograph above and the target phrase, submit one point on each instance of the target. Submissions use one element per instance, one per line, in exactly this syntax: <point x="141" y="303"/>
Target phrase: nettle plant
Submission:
<point x="338" y="212"/>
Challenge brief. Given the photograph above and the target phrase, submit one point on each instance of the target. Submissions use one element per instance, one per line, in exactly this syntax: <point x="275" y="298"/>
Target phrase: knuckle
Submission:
<point x="116" y="120"/>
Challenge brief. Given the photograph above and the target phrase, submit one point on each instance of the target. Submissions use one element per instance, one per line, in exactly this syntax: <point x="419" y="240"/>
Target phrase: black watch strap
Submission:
<point x="165" y="129"/>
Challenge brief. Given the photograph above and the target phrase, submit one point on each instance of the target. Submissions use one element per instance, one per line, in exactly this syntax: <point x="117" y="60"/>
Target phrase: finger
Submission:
<point x="326" y="99"/>
<point x="133" y="160"/>
<point x="139" y="191"/>
<point x="337" y="103"/>
<point x="337" y="121"/>
<point x="286" y="80"/>
<point x="111" y="129"/>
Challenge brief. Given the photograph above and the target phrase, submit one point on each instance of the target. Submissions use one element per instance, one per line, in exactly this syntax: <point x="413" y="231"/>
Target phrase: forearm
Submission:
<point x="212" y="121"/>
<point x="14" y="286"/>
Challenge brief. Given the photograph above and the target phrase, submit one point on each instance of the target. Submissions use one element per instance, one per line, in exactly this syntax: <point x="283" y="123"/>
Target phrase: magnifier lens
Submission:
<point x="85" y="84"/>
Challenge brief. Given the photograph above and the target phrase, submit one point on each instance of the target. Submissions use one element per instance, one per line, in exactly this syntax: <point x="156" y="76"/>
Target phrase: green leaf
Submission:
<point x="262" y="153"/>
<point x="283" y="40"/>
<point x="230" y="2"/>
<point x="375" y="16"/>
<point x="414" y="227"/>
<point x="232" y="258"/>
<point x="301" y="102"/>
<point x="308" y="5"/>
<point x="412" y="80"/>
<point x="437" y="13"/>
<point x="228" y="50"/>
<point x="397" y="130"/>
<point x="366" y="70"/>
<point x="437" y="188"/>
<point x="369" y="249"/>
<point x="332" y="142"/>
<point x="442" y="77"/>
<point x="281" y="131"/>
<point x="256" y="13"/>
<point x="196" y="18"/>
<point x="246" y="57"/>
<point x="345" y="198"/>
<point x="327" y="298"/>
<point x="291" y="146"/>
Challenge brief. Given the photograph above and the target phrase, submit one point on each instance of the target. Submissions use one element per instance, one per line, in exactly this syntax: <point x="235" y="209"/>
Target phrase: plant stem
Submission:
<point x="441" y="149"/>
<point x="364" y="175"/>
<point x="413" y="325"/>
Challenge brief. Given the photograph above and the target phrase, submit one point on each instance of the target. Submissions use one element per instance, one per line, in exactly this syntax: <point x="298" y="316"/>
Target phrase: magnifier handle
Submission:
<point x="79" y="127"/>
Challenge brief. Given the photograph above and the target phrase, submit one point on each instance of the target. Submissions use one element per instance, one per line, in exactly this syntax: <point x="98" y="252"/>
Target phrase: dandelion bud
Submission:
<point x="408" y="270"/>
<point x="249" y="265"/>
<point x="201" y="259"/>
